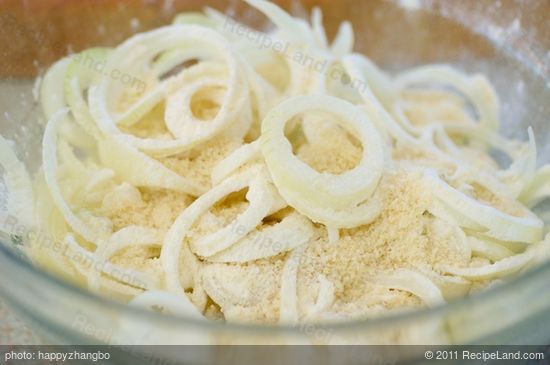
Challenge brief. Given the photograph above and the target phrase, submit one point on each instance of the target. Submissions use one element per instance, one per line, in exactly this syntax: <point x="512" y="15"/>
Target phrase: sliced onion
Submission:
<point x="502" y="268"/>
<point x="178" y="231"/>
<point x="489" y="249"/>
<point x="325" y="298"/>
<point x="318" y="28"/>
<point x="179" y="117"/>
<point x="103" y="96"/>
<point x="459" y="241"/>
<point x="473" y="214"/>
<point x="176" y="304"/>
<point x="293" y="231"/>
<point x="288" y="307"/>
<point x="52" y="94"/>
<point x="139" y="169"/>
<point x="523" y="168"/>
<point x="300" y="38"/>
<point x="292" y="28"/>
<point x="489" y="181"/>
<point x="49" y="158"/>
<point x="324" y="190"/>
<point x="126" y="237"/>
<point x="263" y="97"/>
<point x="234" y="161"/>
<point x="168" y="60"/>
<point x="19" y="203"/>
<point x="52" y="99"/>
<point x="358" y="69"/>
<point x="538" y="188"/>
<point x="195" y="18"/>
<point x="451" y="287"/>
<point x="343" y="42"/>
<point x="414" y="283"/>
<point x="93" y="263"/>
<point x="260" y="199"/>
<point x="527" y="167"/>
<point x="78" y="78"/>
<point x="543" y="253"/>
<point x="371" y="77"/>
<point x="476" y="88"/>
<point x="362" y="214"/>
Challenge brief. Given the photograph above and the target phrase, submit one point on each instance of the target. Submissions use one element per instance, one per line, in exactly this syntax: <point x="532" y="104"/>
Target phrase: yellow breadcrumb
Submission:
<point x="198" y="163"/>
<point x="424" y="106"/>
<point x="140" y="258"/>
<point x="158" y="209"/>
<point x="336" y="155"/>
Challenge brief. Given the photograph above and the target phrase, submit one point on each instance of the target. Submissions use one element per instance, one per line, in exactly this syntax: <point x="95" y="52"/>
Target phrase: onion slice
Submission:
<point x="50" y="162"/>
<point x="476" y="88"/>
<point x="93" y="263"/>
<point x="79" y="76"/>
<point x="502" y="268"/>
<point x="260" y="199"/>
<point x="473" y="214"/>
<point x="538" y="188"/>
<point x="234" y="161"/>
<point x="324" y="190"/>
<point x="19" y="192"/>
<point x="175" y="304"/>
<point x="179" y="117"/>
<point x="106" y="92"/>
<point x="413" y="282"/>
<point x="177" y="233"/>
<point x="52" y="95"/>
<point x="488" y="249"/>
<point x="293" y="231"/>
<point x="334" y="219"/>
<point x="325" y="298"/>
<point x="288" y="308"/>
<point x="139" y="169"/>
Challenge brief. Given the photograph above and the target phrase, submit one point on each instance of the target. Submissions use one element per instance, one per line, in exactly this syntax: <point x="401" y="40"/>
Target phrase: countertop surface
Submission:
<point x="12" y="330"/>
<point x="35" y="33"/>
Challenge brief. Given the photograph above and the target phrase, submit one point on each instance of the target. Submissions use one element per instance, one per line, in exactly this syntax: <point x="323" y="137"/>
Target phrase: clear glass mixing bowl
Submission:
<point x="507" y="40"/>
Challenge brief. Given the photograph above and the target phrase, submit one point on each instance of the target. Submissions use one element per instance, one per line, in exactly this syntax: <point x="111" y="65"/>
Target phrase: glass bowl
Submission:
<point x="506" y="40"/>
